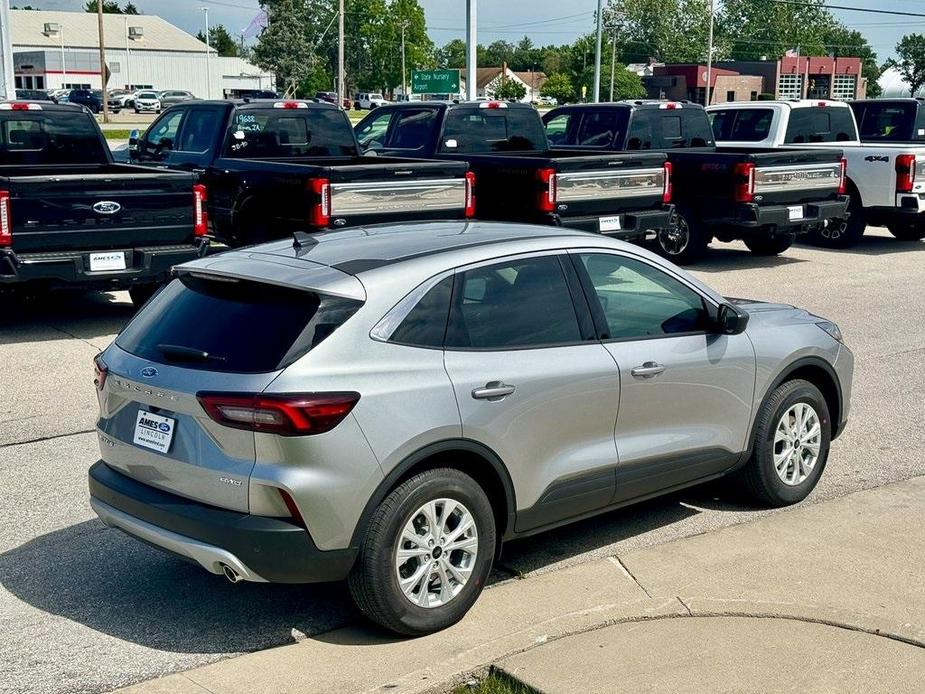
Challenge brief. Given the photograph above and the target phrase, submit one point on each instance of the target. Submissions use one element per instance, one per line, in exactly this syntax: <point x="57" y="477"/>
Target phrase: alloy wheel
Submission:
<point x="675" y="238"/>
<point x="797" y="441"/>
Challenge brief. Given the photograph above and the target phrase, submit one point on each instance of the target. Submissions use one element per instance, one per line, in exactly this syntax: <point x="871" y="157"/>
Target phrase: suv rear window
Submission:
<point x="279" y="133"/>
<point x="820" y="124"/>
<point x="49" y="137"/>
<point x="232" y="326"/>
<point x="470" y="131"/>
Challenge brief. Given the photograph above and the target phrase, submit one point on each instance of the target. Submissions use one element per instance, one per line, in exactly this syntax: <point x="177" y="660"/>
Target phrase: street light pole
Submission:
<point x="471" y="50"/>
<point x="128" y="80"/>
<point x="404" y="79"/>
<point x="613" y="58"/>
<point x="63" y="62"/>
<point x="8" y="90"/>
<point x="205" y="11"/>
<point x="597" y="57"/>
<point x="340" y="53"/>
<point x="709" y="57"/>
<point x="105" y="98"/>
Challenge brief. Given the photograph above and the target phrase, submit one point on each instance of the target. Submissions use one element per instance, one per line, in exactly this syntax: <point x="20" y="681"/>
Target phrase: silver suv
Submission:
<point x="389" y="404"/>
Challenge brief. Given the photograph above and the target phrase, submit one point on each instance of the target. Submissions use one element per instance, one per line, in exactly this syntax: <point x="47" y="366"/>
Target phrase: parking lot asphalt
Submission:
<point x="84" y="608"/>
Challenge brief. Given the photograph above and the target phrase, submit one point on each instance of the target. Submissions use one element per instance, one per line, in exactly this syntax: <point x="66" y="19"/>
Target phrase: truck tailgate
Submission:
<point x="102" y="208"/>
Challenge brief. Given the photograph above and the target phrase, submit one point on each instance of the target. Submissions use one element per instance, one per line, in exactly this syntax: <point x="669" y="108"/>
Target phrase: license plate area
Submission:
<point x="107" y="261"/>
<point x="154" y="431"/>
<point x="610" y="224"/>
<point x="795" y="213"/>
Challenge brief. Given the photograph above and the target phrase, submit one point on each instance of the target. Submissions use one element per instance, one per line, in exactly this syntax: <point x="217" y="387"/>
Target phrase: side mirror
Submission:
<point x="730" y="321"/>
<point x="133" y="140"/>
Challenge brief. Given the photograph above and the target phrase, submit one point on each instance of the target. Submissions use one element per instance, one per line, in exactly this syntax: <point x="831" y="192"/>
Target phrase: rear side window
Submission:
<point x="412" y="129"/>
<point x="820" y="124"/>
<point x="515" y="304"/>
<point x="557" y="128"/>
<point x="425" y="324"/>
<point x="601" y="128"/>
<point x="232" y="326"/>
<point x="469" y="131"/>
<point x="282" y="132"/>
<point x="642" y="131"/>
<point x="888" y="122"/>
<point x="49" y="138"/>
<point x="742" y="125"/>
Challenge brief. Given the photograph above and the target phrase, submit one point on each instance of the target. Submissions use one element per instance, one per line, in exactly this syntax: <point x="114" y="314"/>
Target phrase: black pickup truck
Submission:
<point x="899" y="121"/>
<point x="69" y="216"/>
<point x="276" y="167"/>
<point x="519" y="178"/>
<point x="763" y="197"/>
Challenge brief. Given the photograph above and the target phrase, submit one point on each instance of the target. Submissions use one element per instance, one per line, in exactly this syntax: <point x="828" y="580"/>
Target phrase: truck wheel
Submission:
<point x="907" y="232"/>
<point x="792" y="436"/>
<point x="427" y="553"/>
<point x="769" y="245"/>
<point x="842" y="233"/>
<point x="141" y="293"/>
<point x="684" y="241"/>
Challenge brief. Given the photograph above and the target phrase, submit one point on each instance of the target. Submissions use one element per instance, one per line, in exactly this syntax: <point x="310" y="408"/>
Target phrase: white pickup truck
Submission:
<point x="886" y="181"/>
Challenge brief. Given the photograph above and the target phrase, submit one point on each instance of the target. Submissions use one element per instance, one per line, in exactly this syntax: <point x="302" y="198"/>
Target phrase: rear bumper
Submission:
<point x="910" y="209"/>
<point x="752" y="216"/>
<point x="258" y="548"/>
<point x="145" y="265"/>
<point x="632" y="224"/>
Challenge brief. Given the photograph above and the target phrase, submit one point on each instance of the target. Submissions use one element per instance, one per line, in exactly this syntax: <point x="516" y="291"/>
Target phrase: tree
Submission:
<point x="559" y="87"/>
<point x="626" y="85"/>
<point x="130" y="9"/>
<point x="840" y="41"/>
<point x="284" y="46"/>
<point x="452" y="55"/>
<point x="220" y="40"/>
<point x="672" y="31"/>
<point x="498" y="53"/>
<point x="110" y="7"/>
<point x="910" y="53"/>
<point x="757" y="29"/>
<point x="510" y="90"/>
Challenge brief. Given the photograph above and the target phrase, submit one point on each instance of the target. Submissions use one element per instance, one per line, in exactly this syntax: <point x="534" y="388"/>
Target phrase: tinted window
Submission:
<point x="601" y="128"/>
<point x="412" y="128"/>
<point x="695" y="130"/>
<point x="520" y="303"/>
<point x="199" y="131"/>
<point x="492" y="130"/>
<point x="557" y="128"/>
<point x="46" y="137"/>
<point x="820" y="124"/>
<point x="888" y="122"/>
<point x="373" y="130"/>
<point x="283" y="132"/>
<point x="641" y="301"/>
<point x="642" y="130"/>
<point x="163" y="133"/>
<point x="243" y="326"/>
<point x="425" y="324"/>
<point x="742" y="125"/>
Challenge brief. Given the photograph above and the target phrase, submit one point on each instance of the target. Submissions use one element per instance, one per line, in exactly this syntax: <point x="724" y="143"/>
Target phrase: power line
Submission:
<point x="801" y="3"/>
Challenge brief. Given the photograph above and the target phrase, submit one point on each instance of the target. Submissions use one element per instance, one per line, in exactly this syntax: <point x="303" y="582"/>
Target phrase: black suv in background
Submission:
<point x="91" y="98"/>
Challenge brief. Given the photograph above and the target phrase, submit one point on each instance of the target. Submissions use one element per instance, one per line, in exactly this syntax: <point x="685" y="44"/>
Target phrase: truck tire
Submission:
<point x="684" y="241"/>
<point x="792" y="437"/>
<point x="769" y="245"/>
<point x="907" y="232"/>
<point x="417" y="587"/>
<point x="842" y="233"/>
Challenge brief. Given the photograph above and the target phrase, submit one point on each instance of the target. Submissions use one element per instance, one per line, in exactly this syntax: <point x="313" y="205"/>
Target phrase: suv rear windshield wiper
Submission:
<point x="181" y="353"/>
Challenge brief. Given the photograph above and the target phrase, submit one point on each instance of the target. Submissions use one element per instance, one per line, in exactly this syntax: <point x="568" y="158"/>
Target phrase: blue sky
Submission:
<point x="545" y="21"/>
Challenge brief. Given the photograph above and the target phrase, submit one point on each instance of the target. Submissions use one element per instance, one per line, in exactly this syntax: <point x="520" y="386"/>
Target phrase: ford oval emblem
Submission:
<point x="149" y="372"/>
<point x="106" y="207"/>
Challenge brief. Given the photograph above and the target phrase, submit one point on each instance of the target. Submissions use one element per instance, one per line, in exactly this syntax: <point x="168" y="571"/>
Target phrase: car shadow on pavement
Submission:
<point x="720" y="259"/>
<point x="874" y="245"/>
<point x="62" y="315"/>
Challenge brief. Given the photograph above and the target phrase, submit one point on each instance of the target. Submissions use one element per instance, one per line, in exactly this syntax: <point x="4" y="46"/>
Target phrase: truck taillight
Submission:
<point x="319" y="211"/>
<point x="100" y="372"/>
<point x="6" y="228"/>
<point x="200" y="214"/>
<point x="546" y="198"/>
<point x="288" y="415"/>
<point x="470" y="194"/>
<point x="666" y="189"/>
<point x="744" y="182"/>
<point x="843" y="177"/>
<point x="905" y="173"/>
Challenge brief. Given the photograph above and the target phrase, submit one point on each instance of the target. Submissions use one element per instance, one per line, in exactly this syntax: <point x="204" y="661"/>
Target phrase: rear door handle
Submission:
<point x="648" y="370"/>
<point x="493" y="390"/>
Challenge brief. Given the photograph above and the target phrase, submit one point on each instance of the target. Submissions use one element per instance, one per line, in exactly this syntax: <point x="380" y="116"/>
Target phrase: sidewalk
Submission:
<point x="828" y="597"/>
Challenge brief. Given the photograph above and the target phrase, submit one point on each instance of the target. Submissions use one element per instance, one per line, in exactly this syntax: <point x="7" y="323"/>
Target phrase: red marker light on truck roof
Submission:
<point x="6" y="228"/>
<point x="19" y="106"/>
<point x="492" y="104"/>
<point x="290" y="104"/>
<point x="670" y="105"/>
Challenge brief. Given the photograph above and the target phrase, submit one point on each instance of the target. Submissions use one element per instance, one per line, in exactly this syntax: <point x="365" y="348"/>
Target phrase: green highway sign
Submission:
<point x="434" y="81"/>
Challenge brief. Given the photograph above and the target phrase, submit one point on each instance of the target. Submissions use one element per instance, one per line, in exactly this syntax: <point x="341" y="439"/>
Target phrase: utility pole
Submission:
<point x="613" y="57"/>
<point x="404" y="79"/>
<point x="205" y="11"/>
<point x="709" y="57"/>
<point x="63" y="62"/>
<point x="128" y="80"/>
<point x="597" y="57"/>
<point x="471" y="50"/>
<point x="340" y="54"/>
<point x="6" y="52"/>
<point x="99" y="18"/>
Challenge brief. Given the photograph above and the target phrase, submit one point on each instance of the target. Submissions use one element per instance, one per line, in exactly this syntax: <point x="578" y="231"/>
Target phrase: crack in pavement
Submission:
<point x="616" y="561"/>
<point x="46" y="438"/>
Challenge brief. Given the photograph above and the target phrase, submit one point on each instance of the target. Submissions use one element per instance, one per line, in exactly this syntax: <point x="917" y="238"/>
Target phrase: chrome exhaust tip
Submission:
<point x="231" y="574"/>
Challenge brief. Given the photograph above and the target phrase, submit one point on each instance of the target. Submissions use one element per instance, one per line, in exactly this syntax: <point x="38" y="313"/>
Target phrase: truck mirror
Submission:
<point x="133" y="140"/>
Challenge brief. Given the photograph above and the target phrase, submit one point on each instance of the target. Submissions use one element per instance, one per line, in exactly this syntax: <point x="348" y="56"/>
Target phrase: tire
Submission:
<point x="374" y="580"/>
<point x="907" y="232"/>
<point x="760" y="474"/>
<point x="684" y="241"/>
<point x="140" y="294"/>
<point x="137" y="111"/>
<point x="769" y="245"/>
<point x="842" y="233"/>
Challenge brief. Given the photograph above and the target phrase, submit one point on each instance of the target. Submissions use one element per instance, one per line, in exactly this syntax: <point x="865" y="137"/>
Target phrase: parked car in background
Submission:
<point x="886" y="180"/>
<point x="367" y="101"/>
<point x="890" y="121"/>
<point x="120" y="98"/>
<point x="91" y="98"/>
<point x="70" y="217"/>
<point x="765" y="198"/>
<point x="174" y="96"/>
<point x="146" y="100"/>
<point x="59" y="96"/>
<point x="390" y="405"/>
<point x="547" y="101"/>
<point x="519" y="178"/>
<point x="277" y="167"/>
<point x="33" y="95"/>
<point x="327" y="97"/>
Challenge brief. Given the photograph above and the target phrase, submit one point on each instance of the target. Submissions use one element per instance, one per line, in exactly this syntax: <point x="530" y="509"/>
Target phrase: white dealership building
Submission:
<point x="53" y="50"/>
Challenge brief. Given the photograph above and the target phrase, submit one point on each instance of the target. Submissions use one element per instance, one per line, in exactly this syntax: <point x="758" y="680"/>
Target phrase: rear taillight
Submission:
<point x="100" y="370"/>
<point x="843" y="177"/>
<point x="905" y="173"/>
<point x="288" y="415"/>
<point x="470" y="194"/>
<point x="744" y="182"/>
<point x="200" y="214"/>
<point x="666" y="189"/>
<point x="6" y="227"/>
<point x="546" y="198"/>
<point x="319" y="211"/>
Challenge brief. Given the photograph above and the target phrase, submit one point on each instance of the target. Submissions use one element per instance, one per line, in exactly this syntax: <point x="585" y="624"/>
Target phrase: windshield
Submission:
<point x="48" y="137"/>
<point x="147" y="95"/>
<point x="470" y="131"/>
<point x="278" y="133"/>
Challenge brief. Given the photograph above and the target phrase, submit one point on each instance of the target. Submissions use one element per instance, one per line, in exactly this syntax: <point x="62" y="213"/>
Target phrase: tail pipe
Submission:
<point x="231" y="574"/>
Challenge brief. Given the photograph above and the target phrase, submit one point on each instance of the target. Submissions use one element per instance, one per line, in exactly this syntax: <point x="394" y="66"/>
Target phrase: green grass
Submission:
<point x="117" y="134"/>
<point x="495" y="683"/>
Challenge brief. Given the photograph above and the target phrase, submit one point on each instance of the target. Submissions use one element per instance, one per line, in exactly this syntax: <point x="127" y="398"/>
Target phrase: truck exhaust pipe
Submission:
<point x="231" y="574"/>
